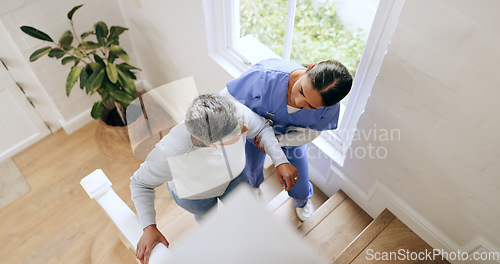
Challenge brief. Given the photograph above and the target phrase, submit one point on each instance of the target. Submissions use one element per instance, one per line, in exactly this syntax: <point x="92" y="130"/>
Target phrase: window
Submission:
<point x="241" y="33"/>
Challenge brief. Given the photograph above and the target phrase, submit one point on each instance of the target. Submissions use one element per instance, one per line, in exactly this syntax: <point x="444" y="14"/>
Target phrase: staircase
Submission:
<point x="346" y="234"/>
<point x="339" y="228"/>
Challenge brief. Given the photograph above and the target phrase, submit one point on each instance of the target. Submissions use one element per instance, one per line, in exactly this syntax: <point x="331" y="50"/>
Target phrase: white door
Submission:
<point x="20" y="124"/>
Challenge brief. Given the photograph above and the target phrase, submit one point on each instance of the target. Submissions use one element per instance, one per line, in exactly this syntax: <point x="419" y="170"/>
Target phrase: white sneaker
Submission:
<point x="258" y="193"/>
<point x="306" y="211"/>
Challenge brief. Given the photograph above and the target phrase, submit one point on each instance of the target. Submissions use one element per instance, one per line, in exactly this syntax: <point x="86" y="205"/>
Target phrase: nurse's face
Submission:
<point x="304" y="95"/>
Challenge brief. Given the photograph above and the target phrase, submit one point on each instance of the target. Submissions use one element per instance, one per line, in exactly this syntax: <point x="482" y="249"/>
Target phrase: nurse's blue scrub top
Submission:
<point x="263" y="89"/>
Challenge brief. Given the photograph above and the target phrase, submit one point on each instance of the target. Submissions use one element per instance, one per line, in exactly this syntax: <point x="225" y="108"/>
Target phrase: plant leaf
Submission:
<point x="33" y="32"/>
<point x="73" y="76"/>
<point x="122" y="96"/>
<point x="130" y="73"/>
<point x="66" y="40"/>
<point x="101" y="31"/>
<point x="127" y="66"/>
<point x="56" y="53"/>
<point x="119" y="52"/>
<point x="116" y="31"/>
<point x="95" y="80"/>
<point x="83" y="78"/>
<point x="79" y="53"/>
<point x="88" y="45"/>
<point x="69" y="59"/>
<point x="99" y="60"/>
<point x="86" y="34"/>
<point x="126" y="82"/>
<point x="96" y="109"/>
<point x="112" y="41"/>
<point x="114" y="35"/>
<point x="39" y="53"/>
<point x="111" y="57"/>
<point x="112" y="72"/>
<point x="94" y="66"/>
<point x="72" y="11"/>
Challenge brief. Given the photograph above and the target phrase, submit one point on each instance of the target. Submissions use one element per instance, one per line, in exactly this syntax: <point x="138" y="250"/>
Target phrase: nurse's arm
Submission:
<point x="257" y="126"/>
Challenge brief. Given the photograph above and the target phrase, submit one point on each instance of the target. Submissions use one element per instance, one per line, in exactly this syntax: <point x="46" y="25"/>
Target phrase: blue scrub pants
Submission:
<point x="199" y="207"/>
<point x="297" y="156"/>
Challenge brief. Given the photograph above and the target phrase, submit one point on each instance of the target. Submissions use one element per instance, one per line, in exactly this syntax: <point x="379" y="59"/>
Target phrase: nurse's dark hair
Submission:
<point x="332" y="79"/>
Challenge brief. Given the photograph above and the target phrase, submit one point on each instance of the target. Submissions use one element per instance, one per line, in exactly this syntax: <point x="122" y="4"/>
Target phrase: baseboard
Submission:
<point x="380" y="197"/>
<point x="76" y="122"/>
<point x="481" y="245"/>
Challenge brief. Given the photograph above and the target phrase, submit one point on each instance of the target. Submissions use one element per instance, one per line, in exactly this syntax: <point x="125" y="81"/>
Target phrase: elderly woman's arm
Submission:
<point x="258" y="127"/>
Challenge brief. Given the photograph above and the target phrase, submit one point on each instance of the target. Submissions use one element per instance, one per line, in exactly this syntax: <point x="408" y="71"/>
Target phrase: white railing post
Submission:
<point x="98" y="187"/>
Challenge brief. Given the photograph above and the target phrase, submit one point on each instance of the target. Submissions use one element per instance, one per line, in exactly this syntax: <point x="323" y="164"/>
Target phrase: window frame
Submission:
<point x="222" y="34"/>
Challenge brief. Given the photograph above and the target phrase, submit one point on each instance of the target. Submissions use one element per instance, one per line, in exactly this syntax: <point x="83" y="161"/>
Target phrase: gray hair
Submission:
<point x="211" y="117"/>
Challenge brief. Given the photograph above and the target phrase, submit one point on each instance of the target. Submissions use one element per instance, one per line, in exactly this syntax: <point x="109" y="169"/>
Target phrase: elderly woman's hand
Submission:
<point x="151" y="236"/>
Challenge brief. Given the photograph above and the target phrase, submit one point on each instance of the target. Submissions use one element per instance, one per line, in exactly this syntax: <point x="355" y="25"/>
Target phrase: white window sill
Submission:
<point x="246" y="52"/>
<point x="324" y="143"/>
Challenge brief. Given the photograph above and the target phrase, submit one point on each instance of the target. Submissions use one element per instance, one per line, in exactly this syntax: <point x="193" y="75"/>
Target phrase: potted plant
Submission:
<point x="101" y="66"/>
<point x="99" y="63"/>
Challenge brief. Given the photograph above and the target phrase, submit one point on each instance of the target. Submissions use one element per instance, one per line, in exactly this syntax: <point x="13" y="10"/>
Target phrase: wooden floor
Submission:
<point x="56" y="222"/>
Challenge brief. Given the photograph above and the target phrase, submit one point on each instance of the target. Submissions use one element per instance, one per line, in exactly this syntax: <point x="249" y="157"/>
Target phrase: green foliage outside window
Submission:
<point x="318" y="33"/>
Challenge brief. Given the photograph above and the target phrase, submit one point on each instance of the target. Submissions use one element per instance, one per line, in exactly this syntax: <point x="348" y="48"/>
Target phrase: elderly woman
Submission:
<point x="202" y="159"/>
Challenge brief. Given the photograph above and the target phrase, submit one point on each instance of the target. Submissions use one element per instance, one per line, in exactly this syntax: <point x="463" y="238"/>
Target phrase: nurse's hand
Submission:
<point x="287" y="175"/>
<point x="151" y="236"/>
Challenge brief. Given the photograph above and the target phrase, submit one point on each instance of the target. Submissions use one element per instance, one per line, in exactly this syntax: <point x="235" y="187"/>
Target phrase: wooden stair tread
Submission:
<point x="277" y="201"/>
<point x="338" y="228"/>
<point x="366" y="237"/>
<point x="323" y="211"/>
<point x="270" y="188"/>
<point x="395" y="236"/>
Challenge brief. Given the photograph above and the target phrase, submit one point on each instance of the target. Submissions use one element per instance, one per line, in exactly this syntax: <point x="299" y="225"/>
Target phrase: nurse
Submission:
<point x="299" y="103"/>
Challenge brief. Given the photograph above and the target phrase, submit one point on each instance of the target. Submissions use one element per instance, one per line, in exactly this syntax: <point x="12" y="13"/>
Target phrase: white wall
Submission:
<point x="438" y="86"/>
<point x="50" y="76"/>
<point x="170" y="41"/>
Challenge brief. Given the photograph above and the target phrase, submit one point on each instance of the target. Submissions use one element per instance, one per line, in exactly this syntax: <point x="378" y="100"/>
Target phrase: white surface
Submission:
<point x="20" y="124"/>
<point x="357" y="14"/>
<point x="438" y="86"/>
<point x="170" y="40"/>
<point x="98" y="186"/>
<point x="20" y="71"/>
<point x="244" y="232"/>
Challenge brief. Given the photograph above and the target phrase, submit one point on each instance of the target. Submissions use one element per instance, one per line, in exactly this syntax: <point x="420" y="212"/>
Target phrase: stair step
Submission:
<point x="386" y="234"/>
<point x="336" y="231"/>
<point x="277" y="201"/>
<point x="323" y="211"/>
<point x="366" y="237"/>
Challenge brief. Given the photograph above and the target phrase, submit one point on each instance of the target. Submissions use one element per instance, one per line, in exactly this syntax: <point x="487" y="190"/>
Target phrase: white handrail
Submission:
<point x="98" y="187"/>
